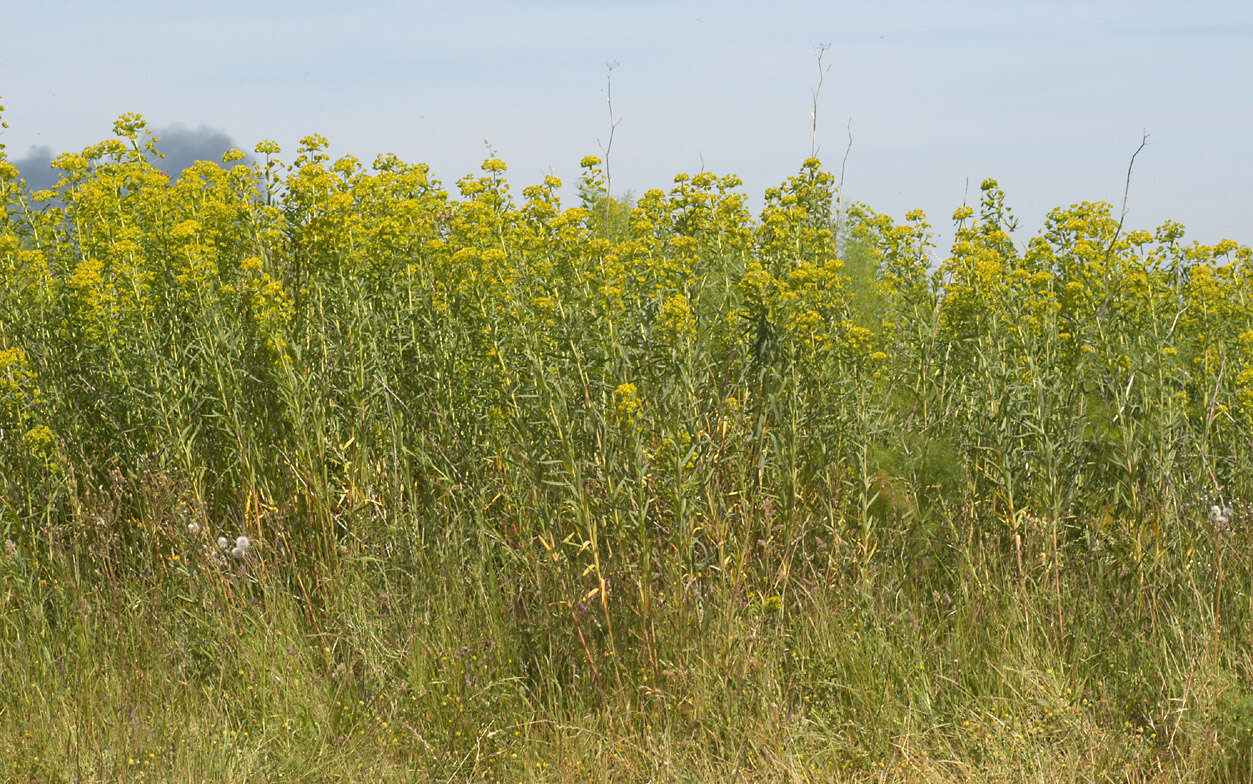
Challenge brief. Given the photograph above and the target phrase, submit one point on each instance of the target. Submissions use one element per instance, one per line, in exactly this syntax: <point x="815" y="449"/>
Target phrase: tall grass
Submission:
<point x="616" y="492"/>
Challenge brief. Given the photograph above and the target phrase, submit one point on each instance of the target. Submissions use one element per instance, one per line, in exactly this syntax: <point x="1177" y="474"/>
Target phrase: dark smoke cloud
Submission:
<point x="182" y="147"/>
<point x="36" y="168"/>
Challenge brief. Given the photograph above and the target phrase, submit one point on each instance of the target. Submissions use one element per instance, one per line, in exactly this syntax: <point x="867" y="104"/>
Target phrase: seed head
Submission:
<point x="1220" y="516"/>
<point x="223" y="543"/>
<point x="193" y="528"/>
<point x="238" y="552"/>
<point x="242" y="543"/>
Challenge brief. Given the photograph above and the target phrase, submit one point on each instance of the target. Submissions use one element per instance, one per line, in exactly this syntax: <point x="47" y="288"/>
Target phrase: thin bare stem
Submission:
<point x="819" y="52"/>
<point x="839" y="193"/>
<point x="613" y="125"/>
<point x="1109" y="251"/>
<point x="1144" y="140"/>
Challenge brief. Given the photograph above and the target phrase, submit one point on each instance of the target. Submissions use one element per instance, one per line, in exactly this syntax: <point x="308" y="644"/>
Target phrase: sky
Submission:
<point x="1050" y="98"/>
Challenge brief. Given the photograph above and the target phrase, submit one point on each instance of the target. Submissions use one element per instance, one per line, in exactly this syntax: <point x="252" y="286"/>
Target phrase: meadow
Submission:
<point x="625" y="491"/>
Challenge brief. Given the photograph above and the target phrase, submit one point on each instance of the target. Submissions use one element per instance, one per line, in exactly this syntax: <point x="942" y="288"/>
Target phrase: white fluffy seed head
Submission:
<point x="238" y="552"/>
<point x="223" y="543"/>
<point x="1220" y="515"/>
<point x="242" y="543"/>
<point x="193" y="528"/>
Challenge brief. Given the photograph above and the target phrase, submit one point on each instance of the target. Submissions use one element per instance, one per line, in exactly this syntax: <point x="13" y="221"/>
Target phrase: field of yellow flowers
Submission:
<point x="312" y="470"/>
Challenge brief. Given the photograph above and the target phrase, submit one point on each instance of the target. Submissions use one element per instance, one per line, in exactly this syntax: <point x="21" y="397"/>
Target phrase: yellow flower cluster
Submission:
<point x="627" y="403"/>
<point x="150" y="302"/>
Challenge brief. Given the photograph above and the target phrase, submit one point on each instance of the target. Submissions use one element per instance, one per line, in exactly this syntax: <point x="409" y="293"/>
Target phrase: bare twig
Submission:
<point x="1109" y="251"/>
<point x="1144" y="140"/>
<point x="613" y="125"/>
<point x="819" y="51"/>
<point x="839" y="193"/>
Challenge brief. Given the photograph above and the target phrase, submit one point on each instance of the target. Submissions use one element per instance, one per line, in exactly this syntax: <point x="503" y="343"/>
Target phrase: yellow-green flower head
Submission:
<point x="676" y="319"/>
<point x="704" y="179"/>
<point x="40" y="440"/>
<point x="627" y="401"/>
<point x="588" y="161"/>
<point x="70" y="162"/>
<point x="129" y="125"/>
<point x="314" y="142"/>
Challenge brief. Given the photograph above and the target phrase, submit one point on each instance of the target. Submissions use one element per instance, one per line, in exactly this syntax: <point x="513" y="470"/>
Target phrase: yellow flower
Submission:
<point x="185" y="230"/>
<point x="40" y="440"/>
<point x="676" y="320"/>
<point x="627" y="402"/>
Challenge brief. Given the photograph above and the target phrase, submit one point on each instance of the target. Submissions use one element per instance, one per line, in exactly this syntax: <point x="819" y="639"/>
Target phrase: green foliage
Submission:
<point x="641" y="489"/>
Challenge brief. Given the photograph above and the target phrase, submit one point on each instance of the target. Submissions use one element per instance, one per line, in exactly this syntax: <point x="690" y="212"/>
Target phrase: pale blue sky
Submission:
<point x="1050" y="98"/>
